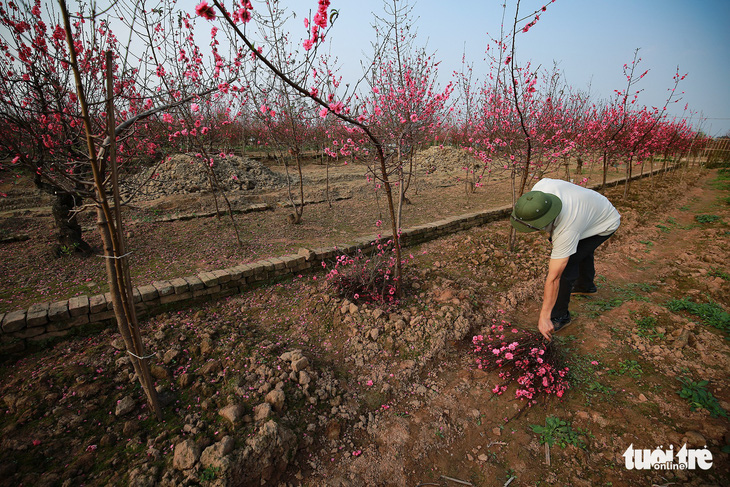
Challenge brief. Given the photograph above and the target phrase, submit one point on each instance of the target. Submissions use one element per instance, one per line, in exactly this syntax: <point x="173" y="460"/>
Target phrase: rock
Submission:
<point x="300" y="364"/>
<point x="695" y="439"/>
<point x="184" y="380"/>
<point x="264" y="458"/>
<point x="333" y="430"/>
<point x="496" y="431"/>
<point x="214" y="454"/>
<point x="445" y="295"/>
<point x="210" y="367"/>
<point x="262" y="412"/>
<point x="582" y="415"/>
<point x="186" y="455"/>
<point x="597" y="418"/>
<point x="304" y="378"/>
<point x="170" y="355"/>
<point x="353" y="308"/>
<point x="124" y="361"/>
<point x="141" y="478"/>
<point x="276" y="398"/>
<point x="130" y="428"/>
<point x="108" y="439"/>
<point x="378" y="313"/>
<point x="682" y="340"/>
<point x="206" y="346"/>
<point x="483" y="457"/>
<point x="374" y="334"/>
<point x="118" y="343"/>
<point x="233" y="413"/>
<point x="84" y="462"/>
<point x="125" y="406"/>
<point x="642" y="398"/>
<point x="159" y="372"/>
<point x="307" y="254"/>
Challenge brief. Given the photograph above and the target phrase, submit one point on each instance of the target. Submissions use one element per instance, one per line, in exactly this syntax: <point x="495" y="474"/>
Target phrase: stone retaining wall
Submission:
<point x="43" y="323"/>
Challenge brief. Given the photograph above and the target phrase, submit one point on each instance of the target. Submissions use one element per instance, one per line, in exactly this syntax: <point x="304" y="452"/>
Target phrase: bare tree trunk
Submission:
<point x="513" y="231"/>
<point x="296" y="217"/>
<point x="117" y="270"/>
<point x="627" y="185"/>
<point x="69" y="236"/>
<point x="123" y="290"/>
<point x="327" y="190"/>
<point x="300" y="209"/>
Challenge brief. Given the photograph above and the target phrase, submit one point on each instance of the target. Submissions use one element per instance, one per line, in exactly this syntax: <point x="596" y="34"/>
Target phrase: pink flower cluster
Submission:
<point x="243" y="14"/>
<point x="319" y="21"/>
<point x="523" y="358"/>
<point x="204" y="10"/>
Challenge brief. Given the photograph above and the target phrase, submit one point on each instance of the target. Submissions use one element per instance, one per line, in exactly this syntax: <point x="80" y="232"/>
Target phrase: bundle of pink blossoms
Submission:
<point x="523" y="357"/>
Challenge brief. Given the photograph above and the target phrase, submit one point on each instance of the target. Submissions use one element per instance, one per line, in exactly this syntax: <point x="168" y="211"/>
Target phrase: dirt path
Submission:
<point x="450" y="424"/>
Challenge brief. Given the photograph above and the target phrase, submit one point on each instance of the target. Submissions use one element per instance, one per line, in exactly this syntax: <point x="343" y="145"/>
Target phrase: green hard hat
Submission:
<point x="534" y="211"/>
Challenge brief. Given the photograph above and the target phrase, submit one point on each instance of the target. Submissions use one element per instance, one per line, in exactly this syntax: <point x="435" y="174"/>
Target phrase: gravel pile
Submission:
<point x="184" y="173"/>
<point x="447" y="159"/>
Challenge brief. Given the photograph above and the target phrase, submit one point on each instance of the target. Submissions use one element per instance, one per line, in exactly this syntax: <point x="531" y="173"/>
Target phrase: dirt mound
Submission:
<point x="449" y="159"/>
<point x="185" y="173"/>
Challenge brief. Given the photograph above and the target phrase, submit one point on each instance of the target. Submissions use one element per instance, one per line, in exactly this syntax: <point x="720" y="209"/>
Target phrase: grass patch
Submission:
<point x="582" y="375"/>
<point x="709" y="313"/>
<point x="559" y="432"/>
<point x="715" y="272"/>
<point x="631" y="292"/>
<point x="646" y="327"/>
<point x="707" y="218"/>
<point x="699" y="397"/>
<point x="649" y="244"/>
<point x="631" y="368"/>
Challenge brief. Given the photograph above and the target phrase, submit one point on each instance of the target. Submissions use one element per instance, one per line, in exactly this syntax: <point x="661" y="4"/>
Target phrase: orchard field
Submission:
<point x="143" y="144"/>
<point x="394" y="396"/>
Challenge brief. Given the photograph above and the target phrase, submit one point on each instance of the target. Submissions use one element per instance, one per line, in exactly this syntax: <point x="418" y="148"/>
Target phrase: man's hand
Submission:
<point x="545" y="325"/>
<point x="552" y="285"/>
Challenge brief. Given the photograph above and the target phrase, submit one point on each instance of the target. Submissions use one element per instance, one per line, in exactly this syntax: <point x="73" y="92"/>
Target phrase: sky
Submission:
<point x="590" y="40"/>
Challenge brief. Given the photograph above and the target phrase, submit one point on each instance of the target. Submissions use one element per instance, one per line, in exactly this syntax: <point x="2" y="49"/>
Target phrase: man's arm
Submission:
<point x="552" y="284"/>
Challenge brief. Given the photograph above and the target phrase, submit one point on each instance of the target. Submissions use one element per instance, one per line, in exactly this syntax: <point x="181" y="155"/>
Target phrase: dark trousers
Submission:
<point x="580" y="272"/>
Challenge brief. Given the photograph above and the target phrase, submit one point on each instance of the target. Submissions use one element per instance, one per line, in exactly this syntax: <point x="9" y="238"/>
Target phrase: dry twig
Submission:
<point x="462" y="482"/>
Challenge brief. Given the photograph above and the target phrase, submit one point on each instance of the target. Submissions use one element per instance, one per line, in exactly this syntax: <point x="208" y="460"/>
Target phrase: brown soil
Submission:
<point x="29" y="273"/>
<point x="395" y="398"/>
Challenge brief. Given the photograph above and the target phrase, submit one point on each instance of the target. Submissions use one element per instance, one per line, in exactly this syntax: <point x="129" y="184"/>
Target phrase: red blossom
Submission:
<point x="528" y="361"/>
<point x="204" y="10"/>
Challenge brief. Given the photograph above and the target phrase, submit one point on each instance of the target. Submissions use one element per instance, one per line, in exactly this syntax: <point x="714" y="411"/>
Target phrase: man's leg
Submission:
<point x="579" y="263"/>
<point x="586" y="275"/>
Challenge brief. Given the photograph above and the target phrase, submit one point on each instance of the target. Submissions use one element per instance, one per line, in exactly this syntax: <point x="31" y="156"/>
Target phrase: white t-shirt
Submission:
<point x="585" y="213"/>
